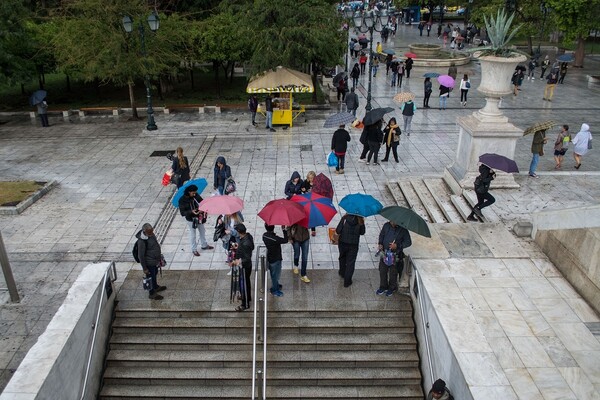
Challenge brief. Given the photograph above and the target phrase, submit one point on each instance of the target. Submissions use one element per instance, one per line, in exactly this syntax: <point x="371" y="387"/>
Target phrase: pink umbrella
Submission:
<point x="446" y="80"/>
<point x="221" y="205"/>
<point x="410" y="55"/>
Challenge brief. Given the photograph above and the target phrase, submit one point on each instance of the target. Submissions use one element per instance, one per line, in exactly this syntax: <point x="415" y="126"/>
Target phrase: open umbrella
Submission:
<point x="335" y="120"/>
<point x="338" y="78"/>
<point x="322" y="185"/>
<point x="446" y="80"/>
<point x="431" y="75"/>
<point x="200" y="183"/>
<point x="221" y="205"/>
<point x="319" y="209"/>
<point x="37" y="97"/>
<point x="389" y="51"/>
<point x="521" y="68"/>
<point x="496" y="161"/>
<point x="407" y="219"/>
<point x="376" y="114"/>
<point x="539" y="126"/>
<point x="410" y="55"/>
<point x="282" y="212"/>
<point x="403" y="97"/>
<point x="566" y="58"/>
<point x="361" y="204"/>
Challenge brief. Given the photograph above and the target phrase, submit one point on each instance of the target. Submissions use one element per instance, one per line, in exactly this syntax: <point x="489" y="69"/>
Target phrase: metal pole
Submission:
<point x="8" y="275"/>
<point x="368" y="107"/>
<point x="151" y="125"/>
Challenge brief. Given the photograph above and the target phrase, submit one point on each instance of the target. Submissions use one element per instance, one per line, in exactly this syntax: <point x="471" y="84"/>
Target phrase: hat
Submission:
<point x="241" y="228"/>
<point x="439" y="386"/>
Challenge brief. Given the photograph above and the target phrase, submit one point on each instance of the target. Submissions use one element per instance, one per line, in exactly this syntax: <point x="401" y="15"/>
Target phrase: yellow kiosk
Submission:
<point x="284" y="82"/>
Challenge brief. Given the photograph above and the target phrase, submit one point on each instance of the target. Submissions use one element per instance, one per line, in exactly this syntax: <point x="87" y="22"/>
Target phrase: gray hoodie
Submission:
<point x="148" y="250"/>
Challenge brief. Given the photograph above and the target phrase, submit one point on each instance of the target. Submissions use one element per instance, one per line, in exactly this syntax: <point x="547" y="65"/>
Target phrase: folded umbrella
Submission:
<point x="221" y="205"/>
<point x="37" y="97"/>
<point x="407" y="219"/>
<point x="200" y="183"/>
<point x="446" y="80"/>
<point x="282" y="212"/>
<point x="361" y="204"/>
<point x="403" y="97"/>
<point x="431" y="75"/>
<point x="496" y="161"/>
<point x="376" y="114"/>
<point x="335" y="120"/>
<point x="322" y="185"/>
<point x="539" y="126"/>
<point x="319" y="209"/>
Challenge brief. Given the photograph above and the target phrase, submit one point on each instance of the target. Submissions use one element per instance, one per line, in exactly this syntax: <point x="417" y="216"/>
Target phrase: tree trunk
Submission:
<point x="22" y="88"/>
<point x="192" y="77"/>
<point x="132" y="101"/>
<point x="314" y="82"/>
<point x="68" y="81"/>
<point x="579" y="53"/>
<point x="232" y="71"/>
<point x="97" y="87"/>
<point x="216" y="69"/>
<point x="529" y="45"/>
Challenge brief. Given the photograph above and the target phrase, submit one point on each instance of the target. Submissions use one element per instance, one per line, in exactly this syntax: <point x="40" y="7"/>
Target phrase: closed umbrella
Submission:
<point x="539" y="126"/>
<point x="496" y="161"/>
<point x="446" y="80"/>
<point x="221" y="205"/>
<point x="282" y="212"/>
<point x="200" y="183"/>
<point x="361" y="204"/>
<point x="319" y="209"/>
<point x="322" y="185"/>
<point x="335" y="120"/>
<point x="376" y="114"/>
<point x="403" y="97"/>
<point x="37" y="97"/>
<point x="407" y="219"/>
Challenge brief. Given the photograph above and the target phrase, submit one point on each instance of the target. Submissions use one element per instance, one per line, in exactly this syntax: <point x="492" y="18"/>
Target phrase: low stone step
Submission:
<point x="396" y="192"/>
<point x="412" y="199"/>
<point x="131" y="392"/>
<point x="488" y="214"/>
<point x="461" y="206"/>
<point x="428" y="201"/>
<point x="441" y="194"/>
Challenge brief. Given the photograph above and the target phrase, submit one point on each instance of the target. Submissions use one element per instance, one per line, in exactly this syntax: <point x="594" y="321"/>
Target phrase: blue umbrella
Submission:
<point x="389" y="51"/>
<point x="431" y="75"/>
<point x="200" y="183"/>
<point x="361" y="204"/>
<point x="566" y="58"/>
<point x="37" y="97"/>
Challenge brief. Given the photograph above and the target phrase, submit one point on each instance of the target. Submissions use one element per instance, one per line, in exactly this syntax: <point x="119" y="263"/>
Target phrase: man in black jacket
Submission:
<point x="149" y="254"/>
<point x="274" y="258"/>
<point x="244" y="249"/>
<point x="350" y="228"/>
<point x="188" y="208"/>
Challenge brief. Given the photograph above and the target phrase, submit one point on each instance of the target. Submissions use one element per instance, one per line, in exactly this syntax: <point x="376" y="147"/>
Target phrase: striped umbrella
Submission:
<point x="319" y="209"/>
<point x="341" y="118"/>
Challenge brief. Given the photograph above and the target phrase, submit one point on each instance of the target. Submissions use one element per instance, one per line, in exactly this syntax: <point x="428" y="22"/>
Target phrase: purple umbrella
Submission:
<point x="496" y="161"/>
<point x="446" y="80"/>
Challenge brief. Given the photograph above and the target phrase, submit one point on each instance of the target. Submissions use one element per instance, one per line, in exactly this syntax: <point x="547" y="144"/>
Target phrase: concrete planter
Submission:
<point x="496" y="73"/>
<point x="425" y="50"/>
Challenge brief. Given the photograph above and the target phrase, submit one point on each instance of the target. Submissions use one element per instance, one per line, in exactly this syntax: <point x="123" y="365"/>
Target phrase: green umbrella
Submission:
<point x="406" y="218"/>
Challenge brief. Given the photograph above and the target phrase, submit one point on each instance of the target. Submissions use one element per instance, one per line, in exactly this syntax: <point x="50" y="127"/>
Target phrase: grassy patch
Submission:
<point x="12" y="193"/>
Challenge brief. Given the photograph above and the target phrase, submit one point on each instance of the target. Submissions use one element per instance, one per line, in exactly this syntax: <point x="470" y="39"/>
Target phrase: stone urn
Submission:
<point x="496" y="73"/>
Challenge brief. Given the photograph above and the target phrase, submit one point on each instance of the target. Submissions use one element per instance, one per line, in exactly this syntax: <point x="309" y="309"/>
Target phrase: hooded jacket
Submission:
<point x="148" y="250"/>
<point x="188" y="204"/>
<point x="350" y="229"/>
<point x="580" y="141"/>
<point x="245" y="249"/>
<point x="292" y="188"/>
<point x="221" y="175"/>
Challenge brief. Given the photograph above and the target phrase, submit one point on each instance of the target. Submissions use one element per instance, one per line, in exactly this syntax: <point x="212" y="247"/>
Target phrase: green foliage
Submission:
<point x="16" y="42"/>
<point x="575" y="18"/>
<point x="221" y="38"/>
<point x="498" y="30"/>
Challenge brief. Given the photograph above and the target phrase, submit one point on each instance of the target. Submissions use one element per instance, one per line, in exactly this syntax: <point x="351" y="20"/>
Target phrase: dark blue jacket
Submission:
<point x="221" y="175"/>
<point x="292" y="188"/>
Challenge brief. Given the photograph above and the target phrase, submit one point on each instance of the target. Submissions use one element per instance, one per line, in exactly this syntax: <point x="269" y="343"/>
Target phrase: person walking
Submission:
<point x="388" y="63"/>
<point x="339" y="145"/>
<point x="428" y="28"/>
<point x="465" y="85"/>
<point x="181" y="168"/>
<point x="408" y="64"/>
<point x="394" y="68"/>
<point x="243" y="254"/>
<point x="150" y="256"/>
<point x="253" y="107"/>
<point x="293" y="185"/>
<point x="274" y="258"/>
<point x="363" y="62"/>
<point x="352" y="102"/>
<point x="374" y="139"/>
<point x="537" y="150"/>
<point x="301" y="244"/>
<point x="222" y="172"/>
<point x="482" y="186"/>
<point x="517" y="79"/>
<point x="531" y="69"/>
<point x="341" y="89"/>
<point x="408" y="111"/>
<point x="355" y="74"/>
<point x="427" y="90"/>
<point x="393" y="239"/>
<point x="269" y="111"/>
<point x="551" y="81"/>
<point x="188" y="208"/>
<point x="544" y="66"/>
<point x="444" y="93"/>
<point x="42" y="110"/>
<point x="401" y="70"/>
<point x="421" y="27"/>
<point x="563" y="72"/>
<point x="306" y="187"/>
<point x="375" y="65"/>
<point x="349" y="229"/>
<point x="391" y="138"/>
<point x="561" y="145"/>
<point x="582" y="143"/>
<point x="357" y="49"/>
<point x="452" y="71"/>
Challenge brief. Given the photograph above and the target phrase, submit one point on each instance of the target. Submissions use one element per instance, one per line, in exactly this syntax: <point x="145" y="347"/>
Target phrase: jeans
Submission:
<point x="347" y="258"/>
<point x="354" y="82"/>
<point x="275" y="271"/>
<point x="373" y="151"/>
<point x="341" y="160"/>
<point x="484" y="200"/>
<point x="463" y="95"/>
<point x="152" y="274"/>
<point x="534" y="163"/>
<point x="443" y="100"/>
<point x="192" y="235"/>
<point x="304" y="247"/>
<point x="375" y="70"/>
<point x="269" y="121"/>
<point x="253" y="113"/>
<point x="394" y="78"/>
<point x="407" y="120"/>
<point x="353" y="112"/>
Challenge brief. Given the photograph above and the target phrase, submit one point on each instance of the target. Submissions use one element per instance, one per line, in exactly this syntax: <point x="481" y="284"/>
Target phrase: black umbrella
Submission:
<point x="496" y="161"/>
<point x="376" y="114"/>
<point x="521" y="68"/>
<point x="338" y="78"/>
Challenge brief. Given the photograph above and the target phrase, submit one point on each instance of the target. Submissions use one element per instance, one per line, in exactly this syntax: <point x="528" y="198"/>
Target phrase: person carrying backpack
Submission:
<point x="150" y="256"/>
<point x="482" y="187"/>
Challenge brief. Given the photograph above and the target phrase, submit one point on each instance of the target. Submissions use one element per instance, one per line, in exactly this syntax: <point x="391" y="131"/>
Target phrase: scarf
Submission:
<point x="391" y="134"/>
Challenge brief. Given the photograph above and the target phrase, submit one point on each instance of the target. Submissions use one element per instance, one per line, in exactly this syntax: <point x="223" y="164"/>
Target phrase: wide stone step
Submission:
<point x="291" y="358"/>
<point x="160" y="376"/>
<point x="137" y="391"/>
<point x="441" y="194"/>
<point x="428" y="201"/>
<point x="413" y="200"/>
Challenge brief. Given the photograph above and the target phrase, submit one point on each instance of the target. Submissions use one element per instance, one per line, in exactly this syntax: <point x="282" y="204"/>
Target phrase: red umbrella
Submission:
<point x="221" y="205"/>
<point x="282" y="212"/>
<point x="322" y="185"/>
<point x="410" y="55"/>
<point x="319" y="209"/>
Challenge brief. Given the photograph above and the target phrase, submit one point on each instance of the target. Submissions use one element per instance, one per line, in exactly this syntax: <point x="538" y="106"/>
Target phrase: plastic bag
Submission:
<point x="166" y="179"/>
<point x="332" y="160"/>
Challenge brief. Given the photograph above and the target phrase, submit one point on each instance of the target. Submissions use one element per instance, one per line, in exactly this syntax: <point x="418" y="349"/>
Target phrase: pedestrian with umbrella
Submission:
<point x="350" y="229"/>
<point x="189" y="205"/>
<point x="38" y="99"/>
<point x="427" y="90"/>
<point x="537" y="150"/>
<point x="339" y="145"/>
<point x="374" y="139"/>
<point x="393" y="239"/>
<point x="563" y="72"/>
<point x="408" y="64"/>
<point x="482" y="187"/>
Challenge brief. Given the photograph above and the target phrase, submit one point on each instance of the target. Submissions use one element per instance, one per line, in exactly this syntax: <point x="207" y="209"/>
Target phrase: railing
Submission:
<point x="111" y="273"/>
<point x="259" y="330"/>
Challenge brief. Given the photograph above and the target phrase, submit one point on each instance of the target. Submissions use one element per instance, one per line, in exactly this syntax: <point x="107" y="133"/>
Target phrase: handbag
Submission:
<point x="175" y="179"/>
<point x="230" y="185"/>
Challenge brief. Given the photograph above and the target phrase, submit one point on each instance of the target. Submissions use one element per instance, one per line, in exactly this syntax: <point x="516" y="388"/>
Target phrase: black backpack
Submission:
<point x="134" y="252"/>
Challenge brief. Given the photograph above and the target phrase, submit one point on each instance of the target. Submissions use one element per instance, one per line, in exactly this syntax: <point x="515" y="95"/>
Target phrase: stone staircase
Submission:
<point x="434" y="199"/>
<point x="182" y="353"/>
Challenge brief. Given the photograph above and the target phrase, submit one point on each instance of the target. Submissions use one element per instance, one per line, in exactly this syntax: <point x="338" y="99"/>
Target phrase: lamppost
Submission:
<point x="368" y="22"/>
<point x="544" y="9"/>
<point x="153" y="23"/>
<point x="348" y="13"/>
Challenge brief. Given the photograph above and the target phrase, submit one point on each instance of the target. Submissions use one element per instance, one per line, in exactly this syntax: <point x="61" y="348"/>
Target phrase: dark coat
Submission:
<point x="387" y="131"/>
<point x="483" y="181"/>
<point x="350" y="230"/>
<point x="245" y="249"/>
<point x="374" y="134"/>
<point x="184" y="172"/>
<point x="269" y="104"/>
<point x="273" y="244"/>
<point x="339" y="141"/>
<point x="221" y="175"/>
<point x="148" y="250"/>
<point x="444" y="90"/>
<point x="187" y="206"/>
<point x="399" y="235"/>
<point x="292" y="188"/>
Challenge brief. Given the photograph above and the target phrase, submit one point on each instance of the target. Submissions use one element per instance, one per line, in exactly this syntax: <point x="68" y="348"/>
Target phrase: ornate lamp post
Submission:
<point x="368" y="22"/>
<point x="153" y="23"/>
<point x="348" y="13"/>
<point x="545" y="10"/>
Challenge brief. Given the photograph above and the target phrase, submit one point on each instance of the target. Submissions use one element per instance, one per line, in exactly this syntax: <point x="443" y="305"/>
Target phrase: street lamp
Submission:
<point x="348" y="13"/>
<point x="153" y="23"/>
<point x="368" y="22"/>
<point x="544" y="9"/>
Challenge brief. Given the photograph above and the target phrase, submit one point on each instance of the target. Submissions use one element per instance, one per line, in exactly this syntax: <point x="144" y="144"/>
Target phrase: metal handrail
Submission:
<point x="265" y="272"/>
<point x="259" y="334"/>
<point x="422" y="313"/>
<point x="111" y="268"/>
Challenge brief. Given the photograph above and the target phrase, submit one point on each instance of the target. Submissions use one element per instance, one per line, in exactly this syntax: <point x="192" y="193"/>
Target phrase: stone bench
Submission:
<point x="82" y="111"/>
<point x="201" y="108"/>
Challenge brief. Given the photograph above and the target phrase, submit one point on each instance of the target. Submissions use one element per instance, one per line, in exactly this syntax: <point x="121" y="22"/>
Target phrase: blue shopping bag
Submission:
<point x="332" y="160"/>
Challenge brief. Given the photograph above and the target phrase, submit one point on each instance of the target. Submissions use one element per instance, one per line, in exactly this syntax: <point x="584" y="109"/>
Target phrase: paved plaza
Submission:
<point x="108" y="185"/>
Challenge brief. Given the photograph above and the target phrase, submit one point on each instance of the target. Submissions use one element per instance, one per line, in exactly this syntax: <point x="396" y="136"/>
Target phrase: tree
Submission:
<point x="16" y="42"/>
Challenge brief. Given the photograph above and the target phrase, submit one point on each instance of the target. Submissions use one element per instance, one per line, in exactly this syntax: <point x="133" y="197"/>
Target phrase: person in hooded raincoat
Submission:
<point x="294" y="185"/>
<point x="581" y="143"/>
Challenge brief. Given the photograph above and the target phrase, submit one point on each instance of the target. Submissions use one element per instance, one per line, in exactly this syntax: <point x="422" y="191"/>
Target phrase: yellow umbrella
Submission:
<point x="280" y="80"/>
<point x="403" y="97"/>
<point x="539" y="126"/>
